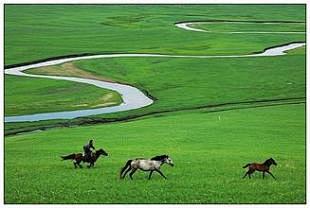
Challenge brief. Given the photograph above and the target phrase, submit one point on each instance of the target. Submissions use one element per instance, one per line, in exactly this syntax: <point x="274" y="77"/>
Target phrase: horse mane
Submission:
<point x="268" y="162"/>
<point x="98" y="151"/>
<point x="159" y="157"/>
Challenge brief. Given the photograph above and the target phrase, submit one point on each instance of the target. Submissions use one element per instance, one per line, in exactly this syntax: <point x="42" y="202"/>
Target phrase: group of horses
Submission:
<point x="153" y="164"/>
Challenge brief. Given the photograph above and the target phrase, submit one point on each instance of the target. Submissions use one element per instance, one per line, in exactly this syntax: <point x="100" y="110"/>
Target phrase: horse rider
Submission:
<point x="88" y="149"/>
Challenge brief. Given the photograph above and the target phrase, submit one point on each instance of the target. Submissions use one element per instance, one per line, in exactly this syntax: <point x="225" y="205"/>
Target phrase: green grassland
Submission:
<point x="208" y="149"/>
<point x="44" y="31"/>
<point x="190" y="83"/>
<point x="32" y="95"/>
<point x="106" y="29"/>
<point x="194" y="83"/>
<point x="212" y="116"/>
<point x="251" y="27"/>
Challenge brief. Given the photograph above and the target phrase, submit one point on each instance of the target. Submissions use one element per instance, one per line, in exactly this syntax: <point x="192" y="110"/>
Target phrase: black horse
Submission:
<point x="77" y="158"/>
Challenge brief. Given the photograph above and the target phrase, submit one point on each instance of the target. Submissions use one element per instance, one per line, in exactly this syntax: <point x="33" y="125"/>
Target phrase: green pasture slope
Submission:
<point x="23" y="96"/>
<point x="150" y="29"/>
<point x="208" y="148"/>
<point x="251" y="27"/>
<point x="195" y="83"/>
<point x="192" y="83"/>
<point x="36" y="32"/>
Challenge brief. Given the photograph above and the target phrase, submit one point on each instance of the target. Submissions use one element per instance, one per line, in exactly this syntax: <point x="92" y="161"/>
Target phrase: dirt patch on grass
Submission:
<point x="104" y="104"/>
<point x="67" y="69"/>
<point x="104" y="101"/>
<point x="109" y="98"/>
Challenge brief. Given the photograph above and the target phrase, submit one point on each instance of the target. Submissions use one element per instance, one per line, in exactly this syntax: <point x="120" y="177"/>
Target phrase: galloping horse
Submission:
<point x="78" y="158"/>
<point x="260" y="167"/>
<point x="152" y="165"/>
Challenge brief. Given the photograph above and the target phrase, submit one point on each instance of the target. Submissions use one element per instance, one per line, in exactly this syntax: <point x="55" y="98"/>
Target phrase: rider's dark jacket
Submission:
<point x="87" y="148"/>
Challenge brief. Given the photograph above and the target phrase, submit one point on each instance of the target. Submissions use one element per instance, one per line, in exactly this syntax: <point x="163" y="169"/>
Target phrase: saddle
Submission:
<point x="87" y="158"/>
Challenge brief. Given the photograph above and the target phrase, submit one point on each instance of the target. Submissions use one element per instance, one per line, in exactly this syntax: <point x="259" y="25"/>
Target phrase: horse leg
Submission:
<point x="160" y="173"/>
<point x="250" y="172"/>
<point x="126" y="172"/>
<point x="79" y="164"/>
<point x="74" y="163"/>
<point x="151" y="174"/>
<point x="245" y="175"/>
<point x="263" y="174"/>
<point x="131" y="173"/>
<point x="271" y="174"/>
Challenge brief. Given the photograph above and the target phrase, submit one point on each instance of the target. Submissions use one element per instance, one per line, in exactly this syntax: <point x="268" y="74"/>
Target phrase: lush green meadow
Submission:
<point x="193" y="83"/>
<point x="26" y="96"/>
<point x="212" y="116"/>
<point x="208" y="149"/>
<point x="251" y="27"/>
<point x="190" y="83"/>
<point x="44" y="31"/>
<point x="115" y="29"/>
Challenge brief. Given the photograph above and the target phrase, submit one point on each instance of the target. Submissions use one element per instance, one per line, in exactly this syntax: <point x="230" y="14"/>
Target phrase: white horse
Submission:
<point x="152" y="165"/>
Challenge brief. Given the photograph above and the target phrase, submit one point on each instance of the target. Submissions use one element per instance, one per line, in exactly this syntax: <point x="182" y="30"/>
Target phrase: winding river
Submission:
<point x="132" y="97"/>
<point x="188" y="26"/>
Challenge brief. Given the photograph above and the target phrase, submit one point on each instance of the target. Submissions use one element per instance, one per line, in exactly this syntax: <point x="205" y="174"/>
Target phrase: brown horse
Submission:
<point x="77" y="158"/>
<point x="260" y="167"/>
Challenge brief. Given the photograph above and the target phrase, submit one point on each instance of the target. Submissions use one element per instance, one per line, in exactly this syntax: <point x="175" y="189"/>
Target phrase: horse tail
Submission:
<point x="68" y="157"/>
<point x="246" y="165"/>
<point x="125" y="167"/>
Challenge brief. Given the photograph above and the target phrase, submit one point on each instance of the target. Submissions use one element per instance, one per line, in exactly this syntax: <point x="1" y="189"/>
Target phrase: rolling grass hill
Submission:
<point x="36" y="32"/>
<point x="208" y="149"/>
<point x="189" y="83"/>
<point x="212" y="116"/>
<point x="29" y="95"/>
